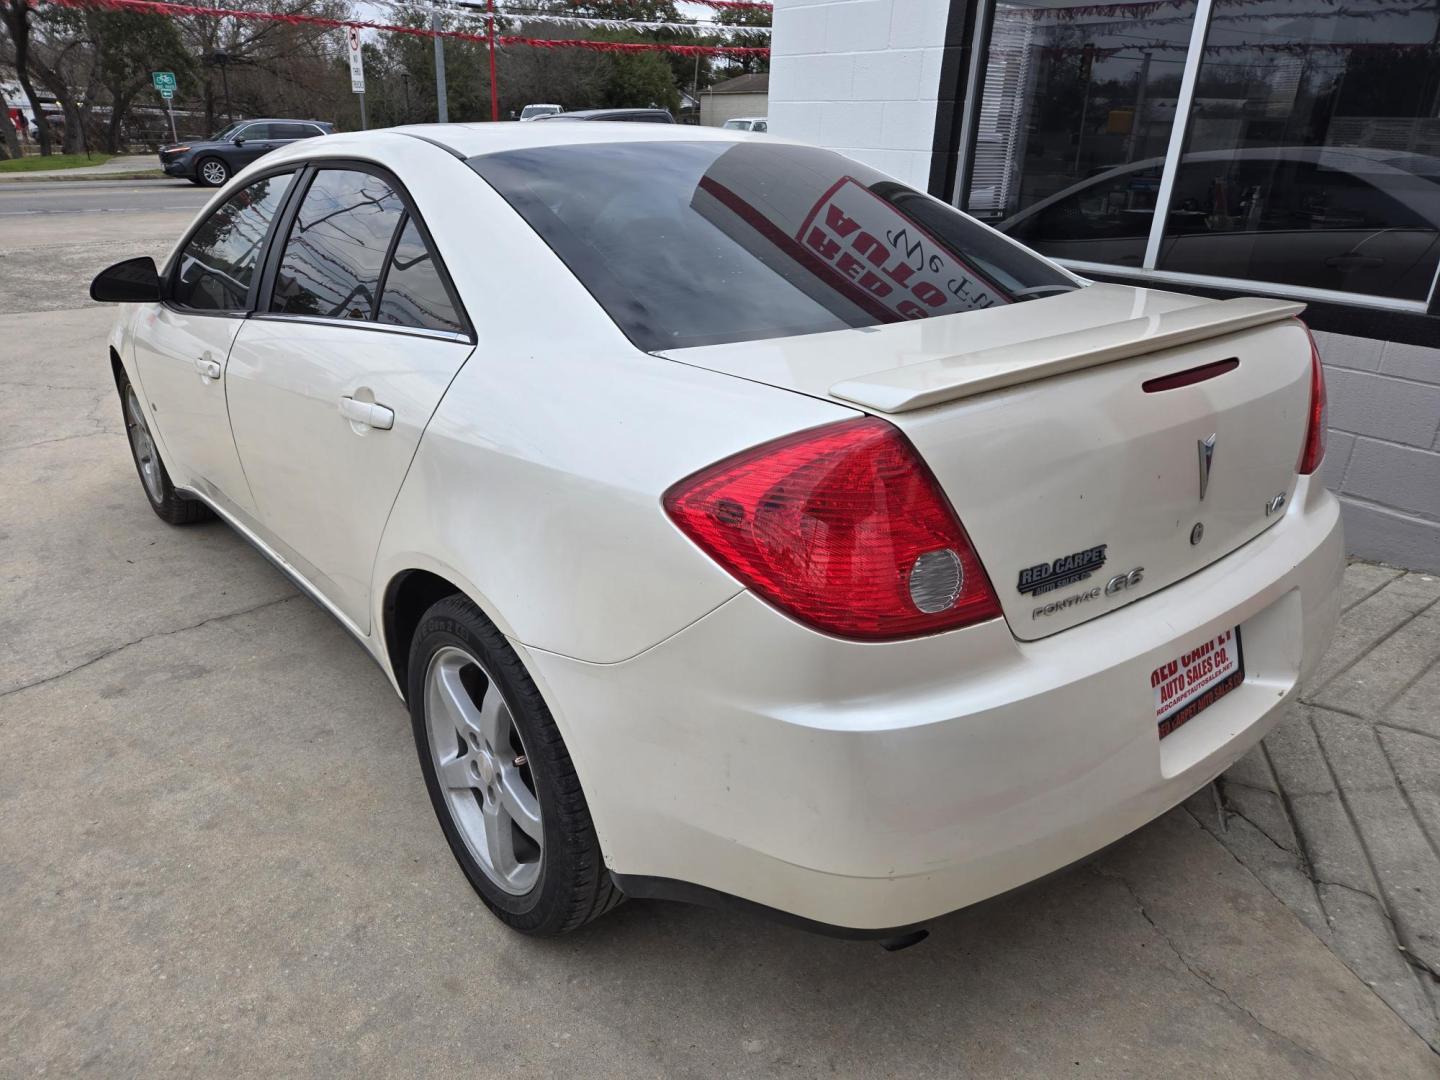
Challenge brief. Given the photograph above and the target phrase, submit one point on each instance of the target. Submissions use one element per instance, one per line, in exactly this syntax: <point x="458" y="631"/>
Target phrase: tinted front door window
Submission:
<point x="337" y="246"/>
<point x="218" y="265"/>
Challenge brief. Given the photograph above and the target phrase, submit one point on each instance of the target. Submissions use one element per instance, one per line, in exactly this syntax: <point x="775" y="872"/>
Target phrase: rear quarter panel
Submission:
<point x="537" y="485"/>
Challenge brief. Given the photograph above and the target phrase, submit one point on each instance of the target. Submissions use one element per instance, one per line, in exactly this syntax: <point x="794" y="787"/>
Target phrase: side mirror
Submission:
<point x="239" y="140"/>
<point x="134" y="281"/>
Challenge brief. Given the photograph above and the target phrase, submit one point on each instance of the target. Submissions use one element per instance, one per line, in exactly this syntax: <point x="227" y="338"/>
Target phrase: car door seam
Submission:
<point x="400" y="487"/>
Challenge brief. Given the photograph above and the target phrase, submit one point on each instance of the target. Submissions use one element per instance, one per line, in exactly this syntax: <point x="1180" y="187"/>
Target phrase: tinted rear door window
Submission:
<point x="708" y="242"/>
<point x="415" y="293"/>
<point x="337" y="246"/>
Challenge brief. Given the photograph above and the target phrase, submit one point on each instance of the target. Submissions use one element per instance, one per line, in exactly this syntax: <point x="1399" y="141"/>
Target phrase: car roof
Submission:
<point x="468" y="140"/>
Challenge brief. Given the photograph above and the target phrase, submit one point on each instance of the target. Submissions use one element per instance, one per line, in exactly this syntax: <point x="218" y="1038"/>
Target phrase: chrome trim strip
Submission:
<point x="1194" y="54"/>
<point x="365" y="324"/>
<point x="1249" y="286"/>
<point x="279" y="562"/>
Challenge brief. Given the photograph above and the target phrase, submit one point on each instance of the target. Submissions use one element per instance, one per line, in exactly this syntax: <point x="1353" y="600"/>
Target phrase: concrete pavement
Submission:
<point x="1338" y="811"/>
<point x="217" y="856"/>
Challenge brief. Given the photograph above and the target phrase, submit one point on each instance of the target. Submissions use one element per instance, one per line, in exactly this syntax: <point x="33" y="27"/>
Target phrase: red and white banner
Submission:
<point x="872" y="247"/>
<point x="165" y="7"/>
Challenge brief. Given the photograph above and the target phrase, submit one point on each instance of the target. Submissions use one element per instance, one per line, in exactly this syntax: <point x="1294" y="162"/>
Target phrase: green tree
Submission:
<point x="128" y="47"/>
<point x="637" y="80"/>
<point x="17" y="17"/>
<point x="745" y="65"/>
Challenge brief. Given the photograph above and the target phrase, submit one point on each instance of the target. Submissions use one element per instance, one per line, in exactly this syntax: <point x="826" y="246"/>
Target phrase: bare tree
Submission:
<point x="16" y="16"/>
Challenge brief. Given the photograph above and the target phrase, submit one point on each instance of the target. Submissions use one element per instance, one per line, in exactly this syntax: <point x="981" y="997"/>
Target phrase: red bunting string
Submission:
<point x="167" y="7"/>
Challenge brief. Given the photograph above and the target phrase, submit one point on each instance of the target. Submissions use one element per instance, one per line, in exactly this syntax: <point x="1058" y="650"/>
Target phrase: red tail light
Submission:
<point x="1314" y="450"/>
<point x="843" y="527"/>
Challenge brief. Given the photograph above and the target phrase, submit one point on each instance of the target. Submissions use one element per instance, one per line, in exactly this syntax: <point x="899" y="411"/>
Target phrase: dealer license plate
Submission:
<point x="1195" y="680"/>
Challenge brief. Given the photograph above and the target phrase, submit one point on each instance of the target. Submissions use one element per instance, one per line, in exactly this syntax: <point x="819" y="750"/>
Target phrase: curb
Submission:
<point x="18" y="178"/>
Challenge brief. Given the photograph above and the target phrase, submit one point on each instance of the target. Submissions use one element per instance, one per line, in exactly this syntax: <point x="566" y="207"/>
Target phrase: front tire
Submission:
<point x="212" y="172"/>
<point x="154" y="479"/>
<point x="500" y="777"/>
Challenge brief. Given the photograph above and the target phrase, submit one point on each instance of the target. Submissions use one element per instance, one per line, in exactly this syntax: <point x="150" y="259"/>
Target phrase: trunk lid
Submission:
<point x="1067" y="473"/>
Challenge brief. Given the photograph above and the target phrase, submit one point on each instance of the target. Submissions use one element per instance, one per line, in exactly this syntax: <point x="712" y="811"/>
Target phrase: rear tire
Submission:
<point x="482" y="757"/>
<point x="154" y="479"/>
<point x="212" y="172"/>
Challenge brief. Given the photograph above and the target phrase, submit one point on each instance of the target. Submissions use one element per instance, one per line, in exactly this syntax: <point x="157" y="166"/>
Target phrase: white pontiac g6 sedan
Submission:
<point x="738" y="524"/>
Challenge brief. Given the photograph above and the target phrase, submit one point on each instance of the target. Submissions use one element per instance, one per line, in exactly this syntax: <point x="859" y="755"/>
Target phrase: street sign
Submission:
<point x="164" y="82"/>
<point x="357" y="62"/>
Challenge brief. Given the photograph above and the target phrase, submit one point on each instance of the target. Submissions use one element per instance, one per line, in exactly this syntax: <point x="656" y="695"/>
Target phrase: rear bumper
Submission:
<point x="866" y="786"/>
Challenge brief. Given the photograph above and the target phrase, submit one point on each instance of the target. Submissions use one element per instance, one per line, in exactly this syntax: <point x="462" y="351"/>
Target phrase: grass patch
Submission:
<point x="39" y="163"/>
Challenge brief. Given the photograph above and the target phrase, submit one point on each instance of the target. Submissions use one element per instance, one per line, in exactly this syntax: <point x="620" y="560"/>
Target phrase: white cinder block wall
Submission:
<point x="861" y="77"/>
<point x="1383" y="449"/>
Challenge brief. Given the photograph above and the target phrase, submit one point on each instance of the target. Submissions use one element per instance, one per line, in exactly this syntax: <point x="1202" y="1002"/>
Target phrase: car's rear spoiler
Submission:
<point x="901" y="389"/>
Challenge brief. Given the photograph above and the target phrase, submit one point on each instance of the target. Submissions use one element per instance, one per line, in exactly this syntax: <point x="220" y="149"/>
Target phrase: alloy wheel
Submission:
<point x="483" y="770"/>
<point x="143" y="446"/>
<point x="214" y="173"/>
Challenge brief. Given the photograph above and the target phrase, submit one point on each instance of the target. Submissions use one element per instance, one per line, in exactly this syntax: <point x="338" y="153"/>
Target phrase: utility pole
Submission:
<point x="494" y="90"/>
<point x="441" y="108"/>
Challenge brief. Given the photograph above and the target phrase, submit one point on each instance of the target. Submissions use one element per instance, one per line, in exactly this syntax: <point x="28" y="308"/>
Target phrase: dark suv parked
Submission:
<point x="213" y="161"/>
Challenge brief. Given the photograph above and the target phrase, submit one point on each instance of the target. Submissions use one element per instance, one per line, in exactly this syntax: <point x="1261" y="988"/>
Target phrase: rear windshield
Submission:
<point x="702" y="243"/>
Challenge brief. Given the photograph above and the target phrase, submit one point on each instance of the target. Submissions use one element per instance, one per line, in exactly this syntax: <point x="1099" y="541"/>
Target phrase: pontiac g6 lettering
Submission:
<point x="660" y="579"/>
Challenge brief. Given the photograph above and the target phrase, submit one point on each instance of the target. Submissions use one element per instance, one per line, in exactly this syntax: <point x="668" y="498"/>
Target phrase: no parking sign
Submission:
<point x="357" y="61"/>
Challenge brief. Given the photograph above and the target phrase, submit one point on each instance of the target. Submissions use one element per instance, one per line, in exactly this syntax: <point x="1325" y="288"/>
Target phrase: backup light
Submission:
<point x="843" y="527"/>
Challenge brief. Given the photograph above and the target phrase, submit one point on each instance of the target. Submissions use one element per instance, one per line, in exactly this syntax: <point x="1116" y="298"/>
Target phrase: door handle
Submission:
<point x="367" y="412"/>
<point x="208" y="369"/>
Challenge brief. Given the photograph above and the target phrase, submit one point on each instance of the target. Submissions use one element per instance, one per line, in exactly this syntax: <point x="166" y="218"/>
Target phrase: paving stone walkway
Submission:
<point x="1338" y="810"/>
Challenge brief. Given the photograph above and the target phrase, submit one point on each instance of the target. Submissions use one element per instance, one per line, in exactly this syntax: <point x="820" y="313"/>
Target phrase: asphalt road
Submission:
<point x="56" y="234"/>
<point x="217" y="857"/>
<point x="19" y="198"/>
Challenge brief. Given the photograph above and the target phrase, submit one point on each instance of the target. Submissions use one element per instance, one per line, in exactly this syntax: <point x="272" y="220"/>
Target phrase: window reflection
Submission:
<point x="702" y="243"/>
<point x="337" y="246"/>
<point x="415" y="293"/>
<point x="218" y="264"/>
<point x="1071" y="92"/>
<point x="1313" y="150"/>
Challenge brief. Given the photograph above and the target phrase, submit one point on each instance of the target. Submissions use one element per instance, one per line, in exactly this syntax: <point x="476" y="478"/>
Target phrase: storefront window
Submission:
<point x="1073" y="122"/>
<point x="1312" y="142"/>
<point x="1313" y="148"/>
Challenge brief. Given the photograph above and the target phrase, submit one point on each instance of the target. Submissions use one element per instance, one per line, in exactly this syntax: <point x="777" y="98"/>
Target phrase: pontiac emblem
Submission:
<point x="1206" y="447"/>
